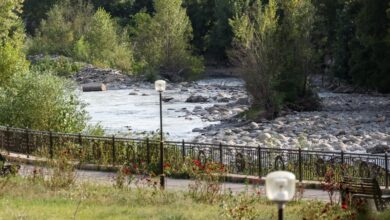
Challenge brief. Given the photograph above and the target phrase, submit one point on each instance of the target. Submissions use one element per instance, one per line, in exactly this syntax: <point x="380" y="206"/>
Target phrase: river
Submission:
<point x="117" y="111"/>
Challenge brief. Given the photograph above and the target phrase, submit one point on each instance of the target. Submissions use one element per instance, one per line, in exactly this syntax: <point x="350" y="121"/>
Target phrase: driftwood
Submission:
<point x="94" y="87"/>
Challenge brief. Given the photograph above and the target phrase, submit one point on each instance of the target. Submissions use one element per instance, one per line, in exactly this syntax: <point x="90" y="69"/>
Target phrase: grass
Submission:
<point x="22" y="198"/>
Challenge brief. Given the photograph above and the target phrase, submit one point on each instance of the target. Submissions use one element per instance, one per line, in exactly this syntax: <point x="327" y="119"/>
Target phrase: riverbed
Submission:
<point x="136" y="110"/>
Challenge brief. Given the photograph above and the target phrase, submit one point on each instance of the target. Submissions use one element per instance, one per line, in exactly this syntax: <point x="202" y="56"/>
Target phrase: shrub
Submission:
<point x="41" y="101"/>
<point x="62" y="173"/>
<point x="60" y="66"/>
<point x="208" y="181"/>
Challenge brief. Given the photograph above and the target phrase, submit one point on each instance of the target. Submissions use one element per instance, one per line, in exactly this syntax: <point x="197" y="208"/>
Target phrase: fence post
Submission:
<point x="8" y="140"/>
<point x="80" y="140"/>
<point x="113" y="150"/>
<point x="342" y="163"/>
<point x="259" y="160"/>
<point x="51" y="144"/>
<point x="220" y="153"/>
<point x="300" y="164"/>
<point x="27" y="143"/>
<point x="147" y="151"/>
<point x="387" y="171"/>
<point x="183" y="149"/>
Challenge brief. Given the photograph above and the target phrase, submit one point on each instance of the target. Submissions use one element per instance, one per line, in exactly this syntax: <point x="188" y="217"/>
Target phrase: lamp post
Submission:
<point x="160" y="86"/>
<point x="280" y="188"/>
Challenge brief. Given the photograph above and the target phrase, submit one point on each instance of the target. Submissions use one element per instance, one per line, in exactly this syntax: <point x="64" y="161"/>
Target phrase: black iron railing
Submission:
<point x="245" y="160"/>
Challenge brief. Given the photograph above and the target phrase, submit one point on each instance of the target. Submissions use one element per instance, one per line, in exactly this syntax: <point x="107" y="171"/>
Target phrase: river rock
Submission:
<point x="254" y="125"/>
<point x="264" y="136"/>
<point x="196" y="99"/>
<point x="198" y="130"/>
<point x="379" y="149"/>
<point x="242" y="101"/>
<point x="167" y="98"/>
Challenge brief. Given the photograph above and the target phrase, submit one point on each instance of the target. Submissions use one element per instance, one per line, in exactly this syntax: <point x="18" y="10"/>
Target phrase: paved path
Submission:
<point x="108" y="178"/>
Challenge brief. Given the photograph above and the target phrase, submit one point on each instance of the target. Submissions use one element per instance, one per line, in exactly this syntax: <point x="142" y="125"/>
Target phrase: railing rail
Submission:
<point x="246" y="160"/>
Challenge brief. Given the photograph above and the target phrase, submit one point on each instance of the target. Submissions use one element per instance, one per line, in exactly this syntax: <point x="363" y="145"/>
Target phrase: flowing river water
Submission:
<point x="117" y="111"/>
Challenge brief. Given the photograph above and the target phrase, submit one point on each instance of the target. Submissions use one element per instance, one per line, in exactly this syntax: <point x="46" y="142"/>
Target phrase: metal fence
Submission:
<point x="244" y="160"/>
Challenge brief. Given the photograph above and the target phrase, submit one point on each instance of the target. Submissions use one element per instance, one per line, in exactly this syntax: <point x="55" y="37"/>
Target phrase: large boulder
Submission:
<point x="379" y="149"/>
<point x="196" y="99"/>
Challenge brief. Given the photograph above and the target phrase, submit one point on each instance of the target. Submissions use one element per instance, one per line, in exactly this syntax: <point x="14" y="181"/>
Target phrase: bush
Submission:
<point x="61" y="66"/>
<point x="41" y="101"/>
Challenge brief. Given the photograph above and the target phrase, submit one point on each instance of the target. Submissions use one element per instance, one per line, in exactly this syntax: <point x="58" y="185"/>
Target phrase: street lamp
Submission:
<point x="280" y="188"/>
<point x="160" y="88"/>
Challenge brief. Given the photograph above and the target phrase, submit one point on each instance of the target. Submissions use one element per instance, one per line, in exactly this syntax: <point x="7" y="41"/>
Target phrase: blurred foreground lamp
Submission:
<point x="280" y="188"/>
<point x="160" y="86"/>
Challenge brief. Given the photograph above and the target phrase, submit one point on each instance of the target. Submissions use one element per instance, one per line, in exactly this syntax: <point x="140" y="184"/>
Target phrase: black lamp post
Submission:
<point x="160" y="88"/>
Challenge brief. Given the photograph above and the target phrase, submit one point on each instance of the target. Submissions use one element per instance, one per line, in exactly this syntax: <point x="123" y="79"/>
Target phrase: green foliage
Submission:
<point x="12" y="58"/>
<point x="74" y="30"/>
<point x="370" y="52"/>
<point x="42" y="101"/>
<point x="201" y="14"/>
<point x="221" y="35"/>
<point x="106" y="46"/>
<point x="34" y="11"/>
<point x="60" y="66"/>
<point x="65" y="24"/>
<point x="273" y="47"/>
<point x="162" y="41"/>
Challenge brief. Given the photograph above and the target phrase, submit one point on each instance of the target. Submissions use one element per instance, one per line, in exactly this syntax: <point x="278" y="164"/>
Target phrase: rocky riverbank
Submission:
<point x="348" y="122"/>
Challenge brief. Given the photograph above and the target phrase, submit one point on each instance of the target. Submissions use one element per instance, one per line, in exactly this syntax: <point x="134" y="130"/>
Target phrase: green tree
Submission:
<point x="201" y="14"/>
<point x="75" y="30"/>
<point x="12" y="58"/>
<point x="345" y="34"/>
<point x="42" y="101"/>
<point x="123" y="10"/>
<point x="163" y="42"/>
<point x="105" y="46"/>
<point x="255" y="52"/>
<point x="34" y="11"/>
<point x="65" y="24"/>
<point x="369" y="61"/>
<point x="272" y="46"/>
<point x="220" y="36"/>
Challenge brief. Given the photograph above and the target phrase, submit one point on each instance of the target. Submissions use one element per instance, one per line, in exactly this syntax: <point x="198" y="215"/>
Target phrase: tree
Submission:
<point x="201" y="14"/>
<point x="104" y="46"/>
<point x="255" y="52"/>
<point x="272" y="46"/>
<point x="76" y="31"/>
<point x="66" y="23"/>
<point x="123" y="10"/>
<point x="34" y="11"/>
<point x="220" y="36"/>
<point x="163" y="42"/>
<point x="369" y="62"/>
<point x="12" y="58"/>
